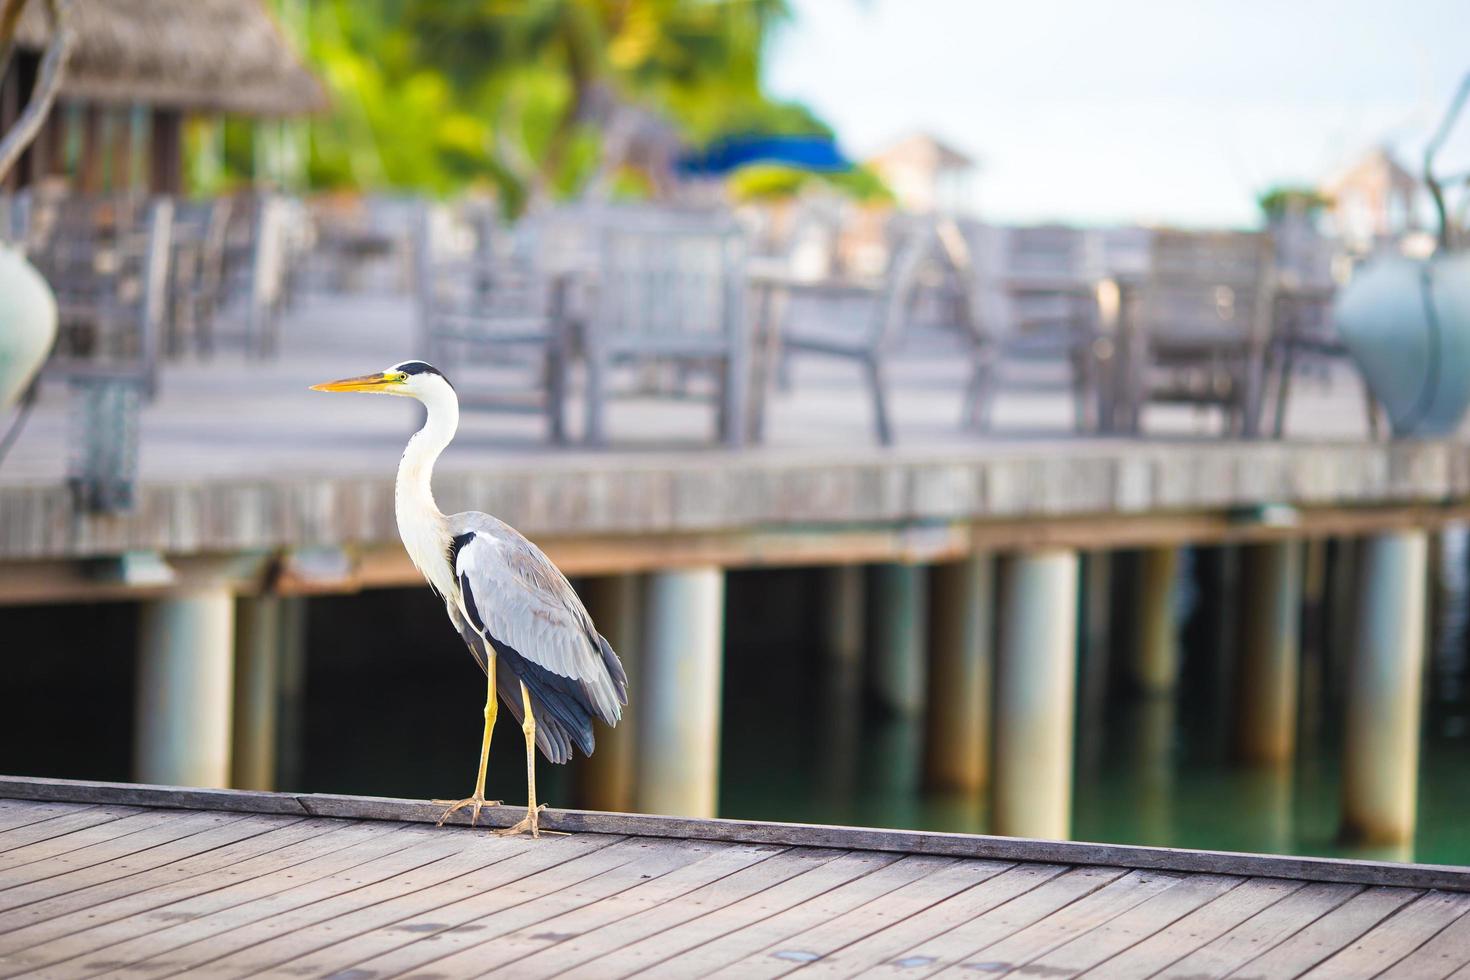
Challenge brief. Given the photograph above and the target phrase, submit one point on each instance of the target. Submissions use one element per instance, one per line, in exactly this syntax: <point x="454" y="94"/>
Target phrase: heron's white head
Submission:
<point x="416" y="379"/>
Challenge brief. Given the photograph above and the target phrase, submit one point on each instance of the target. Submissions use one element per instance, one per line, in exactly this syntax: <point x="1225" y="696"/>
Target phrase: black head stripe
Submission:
<point x="418" y="367"/>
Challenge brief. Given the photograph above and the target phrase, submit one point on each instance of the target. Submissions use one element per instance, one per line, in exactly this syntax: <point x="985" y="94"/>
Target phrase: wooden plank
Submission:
<point x="46" y="848"/>
<point x="1330" y="933"/>
<point x="21" y="813"/>
<point x="1443" y="877"/>
<point x="1262" y="931"/>
<point x="53" y="873"/>
<point x="1041" y="937"/>
<point x="1133" y="926"/>
<point x="756" y="888"/>
<point x="1441" y="956"/>
<point x="912" y="899"/>
<point x="533" y="900"/>
<point x="61" y="824"/>
<point x="283" y="846"/>
<point x="871" y="952"/>
<point x="1009" y="917"/>
<point x="1194" y="930"/>
<point x="124" y="941"/>
<point x="697" y="946"/>
<point x="613" y="912"/>
<point x="1395" y="937"/>
<point x="411" y="906"/>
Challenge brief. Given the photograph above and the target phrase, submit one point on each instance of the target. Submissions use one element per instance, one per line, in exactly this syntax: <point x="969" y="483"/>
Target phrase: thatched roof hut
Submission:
<point x="214" y="56"/>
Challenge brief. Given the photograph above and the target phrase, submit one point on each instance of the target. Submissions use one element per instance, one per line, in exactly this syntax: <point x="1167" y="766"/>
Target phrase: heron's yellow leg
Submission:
<point x="478" y="800"/>
<point x="531" y="820"/>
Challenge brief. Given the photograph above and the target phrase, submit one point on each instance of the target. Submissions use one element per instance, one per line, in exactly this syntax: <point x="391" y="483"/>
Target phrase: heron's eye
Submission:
<point x="401" y="378"/>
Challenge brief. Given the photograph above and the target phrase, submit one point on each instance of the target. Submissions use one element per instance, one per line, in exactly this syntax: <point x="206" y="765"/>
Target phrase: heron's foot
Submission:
<point x="477" y="801"/>
<point x="530" y="822"/>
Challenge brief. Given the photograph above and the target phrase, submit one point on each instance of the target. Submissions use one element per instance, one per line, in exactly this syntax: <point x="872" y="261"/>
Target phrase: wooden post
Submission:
<point x="166" y="154"/>
<point x="895" y="654"/>
<point x="1096" y="630"/>
<point x="121" y="151"/>
<point x="1266" y="695"/>
<point x="291" y="704"/>
<point x="1381" y="759"/>
<point x="842" y="615"/>
<point x="257" y="691"/>
<point x="89" y="167"/>
<point x="679" y="696"/>
<point x="957" y="720"/>
<point x="1034" y="704"/>
<point x="185" y="677"/>
<point x="606" y="781"/>
<point x="1156" y="639"/>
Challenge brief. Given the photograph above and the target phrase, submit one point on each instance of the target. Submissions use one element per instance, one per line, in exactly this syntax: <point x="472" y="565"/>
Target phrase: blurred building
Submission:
<point x="1373" y="200"/>
<point x="138" y="70"/>
<point x="927" y="175"/>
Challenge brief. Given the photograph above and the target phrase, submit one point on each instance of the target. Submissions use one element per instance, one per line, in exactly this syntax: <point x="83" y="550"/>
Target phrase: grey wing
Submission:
<point x="541" y="632"/>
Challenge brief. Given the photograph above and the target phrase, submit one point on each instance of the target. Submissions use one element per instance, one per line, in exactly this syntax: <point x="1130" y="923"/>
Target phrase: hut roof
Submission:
<point x="199" y="55"/>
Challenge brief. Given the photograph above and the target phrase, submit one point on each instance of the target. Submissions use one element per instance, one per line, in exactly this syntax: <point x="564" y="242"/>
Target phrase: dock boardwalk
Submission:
<point x="130" y="880"/>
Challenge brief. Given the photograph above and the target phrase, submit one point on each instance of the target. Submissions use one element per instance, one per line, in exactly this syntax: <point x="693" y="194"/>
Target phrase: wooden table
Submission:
<point x="148" y="881"/>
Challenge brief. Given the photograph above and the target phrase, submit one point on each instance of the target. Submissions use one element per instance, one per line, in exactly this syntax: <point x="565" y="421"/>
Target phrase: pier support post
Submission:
<point x="1381" y="757"/>
<point x="291" y="702"/>
<point x="842" y="594"/>
<point x="257" y="691"/>
<point x="895" y="654"/>
<point x="1266" y="695"/>
<point x="185" y="676"/>
<point x="605" y="781"/>
<point x="1156" y="637"/>
<point x="957" y="720"/>
<point x="1035" y="704"/>
<point x="679" y="695"/>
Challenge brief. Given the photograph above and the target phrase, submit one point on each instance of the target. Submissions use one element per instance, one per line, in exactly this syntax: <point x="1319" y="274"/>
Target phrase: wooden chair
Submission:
<point x="860" y="323"/>
<point x="491" y="318"/>
<point x="107" y="260"/>
<point x="670" y="290"/>
<point x="1197" y="327"/>
<point x="256" y="265"/>
<point x="196" y="275"/>
<point x="1037" y="299"/>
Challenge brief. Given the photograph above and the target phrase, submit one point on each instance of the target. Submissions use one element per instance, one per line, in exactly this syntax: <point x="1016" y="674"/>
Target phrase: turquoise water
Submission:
<point x="1148" y="771"/>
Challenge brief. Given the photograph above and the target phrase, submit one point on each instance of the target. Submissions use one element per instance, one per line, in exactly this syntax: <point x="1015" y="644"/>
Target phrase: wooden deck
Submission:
<point x="248" y="477"/>
<point x="123" y="880"/>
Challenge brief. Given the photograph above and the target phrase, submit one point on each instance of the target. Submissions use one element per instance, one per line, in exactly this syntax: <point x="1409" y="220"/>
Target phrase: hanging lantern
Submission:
<point x="27" y="324"/>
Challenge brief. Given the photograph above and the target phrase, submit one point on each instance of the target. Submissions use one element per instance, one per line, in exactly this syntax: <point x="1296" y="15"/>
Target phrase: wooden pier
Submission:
<point x="121" y="879"/>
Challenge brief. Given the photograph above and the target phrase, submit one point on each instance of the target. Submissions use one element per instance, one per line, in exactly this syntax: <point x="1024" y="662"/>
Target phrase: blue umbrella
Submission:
<point x="817" y="153"/>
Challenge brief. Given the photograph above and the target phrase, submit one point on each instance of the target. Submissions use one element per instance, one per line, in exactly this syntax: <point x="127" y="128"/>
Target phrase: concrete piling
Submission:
<point x="957" y="719"/>
<point x="184" y="690"/>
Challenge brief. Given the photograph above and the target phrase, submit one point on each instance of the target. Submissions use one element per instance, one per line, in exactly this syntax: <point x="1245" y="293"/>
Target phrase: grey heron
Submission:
<point x="514" y="608"/>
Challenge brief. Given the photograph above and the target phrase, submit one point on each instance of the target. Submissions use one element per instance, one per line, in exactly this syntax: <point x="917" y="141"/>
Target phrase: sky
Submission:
<point x="1125" y="110"/>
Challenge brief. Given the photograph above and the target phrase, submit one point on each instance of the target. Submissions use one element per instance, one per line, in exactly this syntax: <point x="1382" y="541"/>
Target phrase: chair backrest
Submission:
<point x="1204" y="286"/>
<point x="108" y="261"/>
<point x="906" y="259"/>
<point x="673" y="285"/>
<point x="1046" y="252"/>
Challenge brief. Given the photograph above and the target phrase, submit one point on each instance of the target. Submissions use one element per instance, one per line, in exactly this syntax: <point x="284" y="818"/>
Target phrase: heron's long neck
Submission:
<point x="420" y="522"/>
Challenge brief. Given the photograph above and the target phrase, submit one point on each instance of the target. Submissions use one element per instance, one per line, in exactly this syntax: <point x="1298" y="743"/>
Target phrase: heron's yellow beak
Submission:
<point x="382" y="381"/>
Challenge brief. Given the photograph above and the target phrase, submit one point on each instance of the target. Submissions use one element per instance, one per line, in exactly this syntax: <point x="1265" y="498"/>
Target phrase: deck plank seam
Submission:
<point x="178" y="881"/>
<point x="1346" y="941"/>
<point x="956" y="896"/>
<point x="1427" y="940"/>
<point x="1123" y="910"/>
<point x="57" y="836"/>
<point x="623" y="918"/>
<point x="806" y="901"/>
<point x="939" y="968"/>
<point x="833" y="855"/>
<point x="308" y="905"/>
<point x="826" y="891"/>
<point x="530" y="899"/>
<point x="1360" y="889"/>
<point x="108" y="859"/>
<point x="1299" y="885"/>
<point x="529" y="873"/>
<point x="302" y="884"/>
